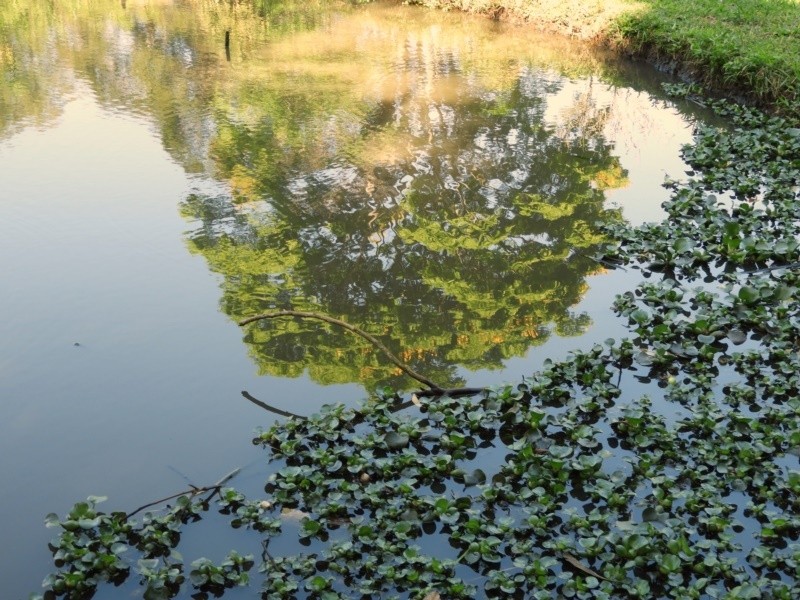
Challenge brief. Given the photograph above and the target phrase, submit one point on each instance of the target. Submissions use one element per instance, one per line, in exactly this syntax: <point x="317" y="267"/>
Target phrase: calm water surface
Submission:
<point x="434" y="179"/>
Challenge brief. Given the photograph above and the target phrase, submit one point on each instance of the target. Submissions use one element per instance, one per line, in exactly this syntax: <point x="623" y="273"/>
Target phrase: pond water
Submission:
<point x="168" y="168"/>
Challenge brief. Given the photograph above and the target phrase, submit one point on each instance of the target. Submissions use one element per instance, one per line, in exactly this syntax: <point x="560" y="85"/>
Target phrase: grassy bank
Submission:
<point x="746" y="47"/>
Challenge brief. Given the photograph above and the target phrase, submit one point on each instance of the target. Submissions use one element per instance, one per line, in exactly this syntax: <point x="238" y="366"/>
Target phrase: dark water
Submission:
<point x="434" y="179"/>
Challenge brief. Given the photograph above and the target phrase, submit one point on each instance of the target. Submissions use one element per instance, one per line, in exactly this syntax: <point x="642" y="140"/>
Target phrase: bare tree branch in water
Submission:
<point x="270" y="408"/>
<point x="194" y="491"/>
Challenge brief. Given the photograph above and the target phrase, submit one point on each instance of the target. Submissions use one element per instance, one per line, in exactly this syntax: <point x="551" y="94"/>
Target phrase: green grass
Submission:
<point x="746" y="46"/>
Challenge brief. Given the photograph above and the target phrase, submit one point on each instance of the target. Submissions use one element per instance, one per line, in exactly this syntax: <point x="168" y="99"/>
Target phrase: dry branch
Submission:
<point x="194" y="491"/>
<point x="270" y="408"/>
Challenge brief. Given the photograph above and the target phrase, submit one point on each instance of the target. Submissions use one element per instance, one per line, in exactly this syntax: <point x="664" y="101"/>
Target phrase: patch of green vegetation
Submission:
<point x="660" y="466"/>
<point x="747" y="46"/>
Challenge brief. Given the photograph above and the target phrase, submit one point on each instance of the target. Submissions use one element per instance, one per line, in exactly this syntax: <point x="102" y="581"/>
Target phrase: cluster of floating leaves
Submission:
<point x="660" y="466"/>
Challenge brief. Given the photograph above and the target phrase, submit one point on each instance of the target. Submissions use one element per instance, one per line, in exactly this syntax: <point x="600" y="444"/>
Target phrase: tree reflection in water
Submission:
<point x="447" y="218"/>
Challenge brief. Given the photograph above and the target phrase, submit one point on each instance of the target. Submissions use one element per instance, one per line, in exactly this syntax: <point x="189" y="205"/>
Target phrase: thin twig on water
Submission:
<point x="194" y="491"/>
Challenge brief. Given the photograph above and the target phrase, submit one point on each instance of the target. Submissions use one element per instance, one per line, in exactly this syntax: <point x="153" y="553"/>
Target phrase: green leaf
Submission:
<point x="749" y="295"/>
<point x="747" y="591"/>
<point x="731" y="235"/>
<point x="559" y="451"/>
<point x="683" y="244"/>
<point x="147" y="563"/>
<point x="670" y="563"/>
<point x="477" y="477"/>
<point x="737" y="336"/>
<point x="396" y="441"/>
<point x="311" y="527"/>
<point x="318" y="583"/>
<point x="660" y="330"/>
<point x="793" y="481"/>
<point x="51" y="520"/>
<point x="118" y="548"/>
<point x="88" y="523"/>
<point x="784" y="292"/>
<point x="650" y="514"/>
<point x="738" y="485"/>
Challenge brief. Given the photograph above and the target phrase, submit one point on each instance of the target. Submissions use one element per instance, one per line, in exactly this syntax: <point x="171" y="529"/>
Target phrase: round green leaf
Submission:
<point x="749" y="295"/>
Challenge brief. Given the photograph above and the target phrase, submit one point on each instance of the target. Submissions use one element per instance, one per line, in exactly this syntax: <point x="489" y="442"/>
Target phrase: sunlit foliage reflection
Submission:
<point x="433" y="208"/>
